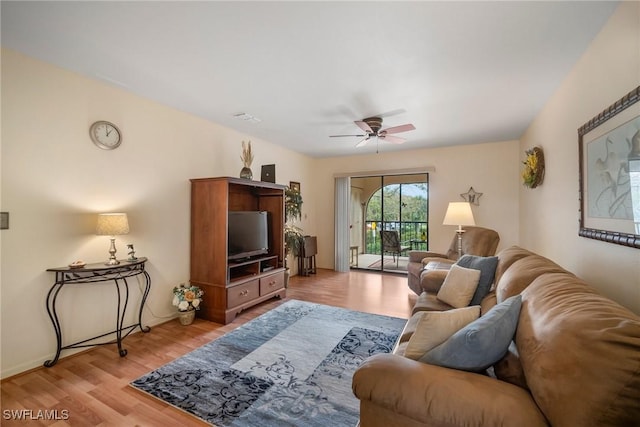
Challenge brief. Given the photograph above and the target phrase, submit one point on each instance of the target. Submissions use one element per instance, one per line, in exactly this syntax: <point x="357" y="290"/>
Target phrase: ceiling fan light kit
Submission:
<point x="372" y="128"/>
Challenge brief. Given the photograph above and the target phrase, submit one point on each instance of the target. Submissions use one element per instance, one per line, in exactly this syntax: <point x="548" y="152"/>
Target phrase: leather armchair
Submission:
<point x="475" y="241"/>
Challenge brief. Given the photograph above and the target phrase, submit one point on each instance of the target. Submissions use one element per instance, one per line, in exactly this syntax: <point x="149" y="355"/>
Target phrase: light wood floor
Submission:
<point x="93" y="386"/>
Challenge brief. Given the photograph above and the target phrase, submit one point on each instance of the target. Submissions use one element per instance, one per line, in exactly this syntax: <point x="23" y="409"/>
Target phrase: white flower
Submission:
<point x="195" y="303"/>
<point x="176" y="300"/>
<point x="183" y="306"/>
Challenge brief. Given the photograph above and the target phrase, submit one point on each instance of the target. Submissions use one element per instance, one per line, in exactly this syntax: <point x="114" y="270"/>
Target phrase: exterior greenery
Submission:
<point x="401" y="207"/>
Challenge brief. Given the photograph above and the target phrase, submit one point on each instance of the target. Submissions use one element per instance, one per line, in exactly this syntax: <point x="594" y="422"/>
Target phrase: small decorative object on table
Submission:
<point x="247" y="159"/>
<point x="77" y="264"/>
<point x="533" y="172"/>
<point x="131" y="253"/>
<point x="187" y="299"/>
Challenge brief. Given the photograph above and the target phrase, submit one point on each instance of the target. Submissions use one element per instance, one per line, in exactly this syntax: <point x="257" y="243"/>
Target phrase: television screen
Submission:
<point x="248" y="234"/>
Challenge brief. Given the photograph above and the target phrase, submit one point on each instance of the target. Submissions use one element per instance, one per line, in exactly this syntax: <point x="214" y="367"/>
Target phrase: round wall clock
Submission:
<point x="105" y="135"/>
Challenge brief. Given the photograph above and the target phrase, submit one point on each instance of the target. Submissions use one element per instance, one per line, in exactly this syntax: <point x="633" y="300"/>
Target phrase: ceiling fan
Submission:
<point x="372" y="128"/>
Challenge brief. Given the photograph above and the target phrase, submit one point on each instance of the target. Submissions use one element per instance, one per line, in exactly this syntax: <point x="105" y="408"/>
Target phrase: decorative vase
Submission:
<point x="186" y="317"/>
<point x="246" y="173"/>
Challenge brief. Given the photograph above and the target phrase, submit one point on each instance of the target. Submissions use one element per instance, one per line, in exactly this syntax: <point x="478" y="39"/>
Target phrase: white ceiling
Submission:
<point x="461" y="72"/>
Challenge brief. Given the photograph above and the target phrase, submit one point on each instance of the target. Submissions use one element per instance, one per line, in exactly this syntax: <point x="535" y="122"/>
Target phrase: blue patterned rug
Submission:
<point x="291" y="366"/>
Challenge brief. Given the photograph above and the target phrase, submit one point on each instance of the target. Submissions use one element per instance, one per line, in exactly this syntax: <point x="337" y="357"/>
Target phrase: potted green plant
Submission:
<point x="293" y="235"/>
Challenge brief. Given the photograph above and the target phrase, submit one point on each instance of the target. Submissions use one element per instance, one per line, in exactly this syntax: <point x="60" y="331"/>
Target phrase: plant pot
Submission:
<point x="186" y="317"/>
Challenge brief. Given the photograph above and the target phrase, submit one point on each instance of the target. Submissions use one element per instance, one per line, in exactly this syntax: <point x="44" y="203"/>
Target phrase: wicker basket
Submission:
<point x="186" y="317"/>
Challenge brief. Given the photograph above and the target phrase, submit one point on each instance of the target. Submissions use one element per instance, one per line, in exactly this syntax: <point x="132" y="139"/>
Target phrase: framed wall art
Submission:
<point x="295" y="186"/>
<point x="609" y="153"/>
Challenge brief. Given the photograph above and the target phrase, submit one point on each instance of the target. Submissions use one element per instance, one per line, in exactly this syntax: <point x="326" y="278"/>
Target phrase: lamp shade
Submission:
<point x="459" y="213"/>
<point x="112" y="224"/>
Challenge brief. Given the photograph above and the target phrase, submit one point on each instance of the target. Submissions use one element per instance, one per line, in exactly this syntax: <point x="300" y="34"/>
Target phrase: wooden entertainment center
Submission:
<point x="231" y="286"/>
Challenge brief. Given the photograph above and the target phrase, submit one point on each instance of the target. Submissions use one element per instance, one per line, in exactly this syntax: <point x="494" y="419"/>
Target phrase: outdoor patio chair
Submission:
<point x="391" y="244"/>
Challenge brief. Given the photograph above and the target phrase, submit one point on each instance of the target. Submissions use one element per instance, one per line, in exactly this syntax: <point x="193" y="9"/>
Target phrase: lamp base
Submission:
<point x="112" y="253"/>
<point x="459" y="231"/>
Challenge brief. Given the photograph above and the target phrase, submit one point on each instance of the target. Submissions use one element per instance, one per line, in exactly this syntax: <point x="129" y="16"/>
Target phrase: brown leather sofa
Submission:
<point x="475" y="241"/>
<point x="575" y="361"/>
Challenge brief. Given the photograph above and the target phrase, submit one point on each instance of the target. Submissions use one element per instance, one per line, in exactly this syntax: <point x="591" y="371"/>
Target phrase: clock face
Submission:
<point x="105" y="135"/>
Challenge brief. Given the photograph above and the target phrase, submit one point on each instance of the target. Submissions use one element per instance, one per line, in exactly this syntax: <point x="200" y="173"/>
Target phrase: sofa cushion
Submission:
<point x="429" y="302"/>
<point x="432" y="328"/>
<point x="487" y="267"/>
<point x="580" y="352"/>
<point x="459" y="286"/>
<point x="522" y="272"/>
<point x="481" y="343"/>
<point x="508" y="256"/>
<point x="509" y="368"/>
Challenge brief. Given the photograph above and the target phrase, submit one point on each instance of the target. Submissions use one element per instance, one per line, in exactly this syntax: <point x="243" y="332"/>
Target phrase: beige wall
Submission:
<point x="54" y="181"/>
<point x="609" y="69"/>
<point x="492" y="169"/>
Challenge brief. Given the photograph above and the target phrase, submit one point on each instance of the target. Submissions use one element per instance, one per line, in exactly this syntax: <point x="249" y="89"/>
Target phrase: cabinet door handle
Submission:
<point x="244" y="293"/>
<point x="272" y="283"/>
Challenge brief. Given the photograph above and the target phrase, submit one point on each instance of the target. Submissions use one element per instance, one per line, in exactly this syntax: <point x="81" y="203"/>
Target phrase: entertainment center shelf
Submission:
<point x="242" y="269"/>
<point x="233" y="285"/>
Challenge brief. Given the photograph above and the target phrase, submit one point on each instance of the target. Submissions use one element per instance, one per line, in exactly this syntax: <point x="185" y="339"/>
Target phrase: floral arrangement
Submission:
<point x="247" y="155"/>
<point x="533" y="172"/>
<point x="187" y="298"/>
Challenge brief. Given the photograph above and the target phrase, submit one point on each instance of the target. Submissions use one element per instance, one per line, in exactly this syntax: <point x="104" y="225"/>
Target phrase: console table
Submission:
<point x="92" y="274"/>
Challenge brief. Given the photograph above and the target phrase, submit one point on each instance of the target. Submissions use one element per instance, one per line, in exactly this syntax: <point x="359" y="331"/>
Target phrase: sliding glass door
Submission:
<point x="388" y="217"/>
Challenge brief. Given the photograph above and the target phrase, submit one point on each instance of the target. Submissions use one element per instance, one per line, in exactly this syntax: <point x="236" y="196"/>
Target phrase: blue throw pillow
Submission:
<point x="487" y="266"/>
<point x="481" y="343"/>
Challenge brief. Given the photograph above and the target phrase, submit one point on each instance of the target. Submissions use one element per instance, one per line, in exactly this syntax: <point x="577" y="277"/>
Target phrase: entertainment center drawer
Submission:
<point x="243" y="293"/>
<point x="271" y="283"/>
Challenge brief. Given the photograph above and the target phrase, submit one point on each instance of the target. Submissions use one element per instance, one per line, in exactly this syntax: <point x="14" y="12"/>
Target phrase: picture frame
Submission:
<point x="295" y="186"/>
<point x="609" y="173"/>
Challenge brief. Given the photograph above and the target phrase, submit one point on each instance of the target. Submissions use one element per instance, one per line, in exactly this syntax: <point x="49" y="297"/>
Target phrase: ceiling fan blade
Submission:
<point x="362" y="143"/>
<point x="393" y="139"/>
<point x="398" y="129"/>
<point x="340" y="136"/>
<point x="364" y="126"/>
<point x="392" y="113"/>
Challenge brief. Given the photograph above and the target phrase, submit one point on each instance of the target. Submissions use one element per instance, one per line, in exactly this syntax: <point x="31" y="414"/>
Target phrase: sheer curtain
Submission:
<point x="342" y="197"/>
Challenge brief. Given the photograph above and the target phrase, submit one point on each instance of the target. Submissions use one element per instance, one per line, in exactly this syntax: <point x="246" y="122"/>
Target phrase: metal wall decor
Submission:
<point x="472" y="196"/>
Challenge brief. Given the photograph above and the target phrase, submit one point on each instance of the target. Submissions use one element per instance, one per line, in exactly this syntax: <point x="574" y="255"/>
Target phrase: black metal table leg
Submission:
<point x="145" y="294"/>
<point x="52" y="295"/>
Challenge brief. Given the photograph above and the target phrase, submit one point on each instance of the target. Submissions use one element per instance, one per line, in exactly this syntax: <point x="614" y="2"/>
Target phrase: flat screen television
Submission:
<point x="248" y="234"/>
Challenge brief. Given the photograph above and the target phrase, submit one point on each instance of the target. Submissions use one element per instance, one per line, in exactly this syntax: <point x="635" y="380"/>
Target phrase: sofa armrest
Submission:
<point x="433" y="395"/>
<point x="418" y="256"/>
<point x="432" y="280"/>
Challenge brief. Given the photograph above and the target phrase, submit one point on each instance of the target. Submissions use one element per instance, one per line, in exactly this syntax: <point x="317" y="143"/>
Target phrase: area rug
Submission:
<point x="390" y="264"/>
<point x="291" y="366"/>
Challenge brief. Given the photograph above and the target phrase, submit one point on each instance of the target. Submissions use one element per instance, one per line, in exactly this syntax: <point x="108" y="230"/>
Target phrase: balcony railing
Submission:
<point x="416" y="231"/>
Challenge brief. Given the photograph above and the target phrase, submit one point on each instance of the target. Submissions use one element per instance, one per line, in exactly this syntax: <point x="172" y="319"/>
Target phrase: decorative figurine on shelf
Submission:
<point x="131" y="253"/>
<point x="247" y="159"/>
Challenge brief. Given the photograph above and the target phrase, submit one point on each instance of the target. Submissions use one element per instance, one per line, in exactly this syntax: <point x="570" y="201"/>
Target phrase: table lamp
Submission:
<point x="112" y="224"/>
<point x="459" y="213"/>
